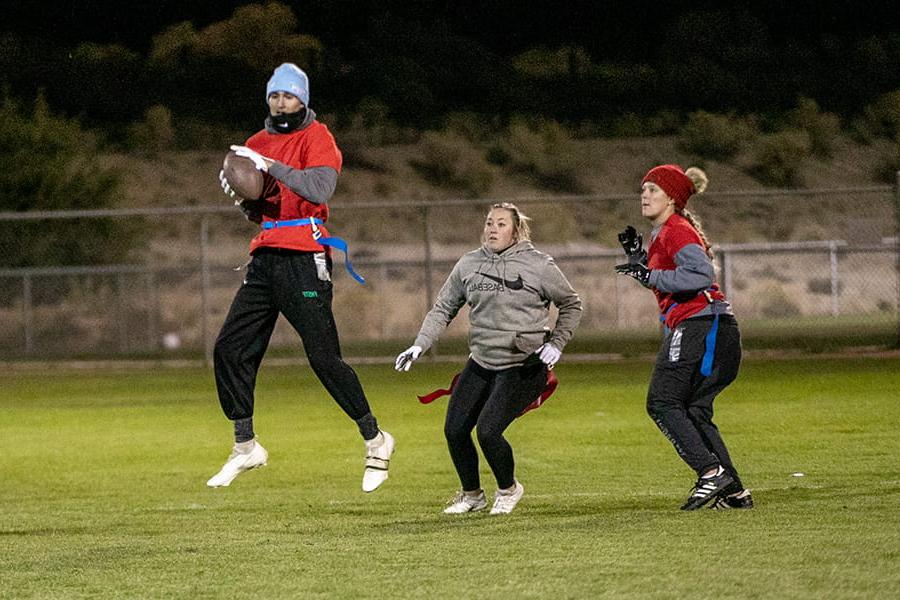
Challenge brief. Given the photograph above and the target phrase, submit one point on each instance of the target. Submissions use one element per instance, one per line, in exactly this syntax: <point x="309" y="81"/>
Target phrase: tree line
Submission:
<point x="705" y="60"/>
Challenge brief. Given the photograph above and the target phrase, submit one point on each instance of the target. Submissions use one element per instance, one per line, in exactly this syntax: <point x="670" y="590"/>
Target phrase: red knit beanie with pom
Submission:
<point x="673" y="181"/>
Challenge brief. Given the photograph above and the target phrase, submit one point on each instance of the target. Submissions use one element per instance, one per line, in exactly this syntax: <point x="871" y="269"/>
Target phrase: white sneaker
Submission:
<point x="505" y="503"/>
<point x="239" y="462"/>
<point x="463" y="503"/>
<point x="378" y="457"/>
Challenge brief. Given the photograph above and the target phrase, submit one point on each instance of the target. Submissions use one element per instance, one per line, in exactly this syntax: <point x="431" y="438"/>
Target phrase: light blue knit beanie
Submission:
<point x="289" y="78"/>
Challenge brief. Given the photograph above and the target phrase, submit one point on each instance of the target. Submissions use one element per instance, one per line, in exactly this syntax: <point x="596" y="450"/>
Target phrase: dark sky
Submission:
<point x="613" y="29"/>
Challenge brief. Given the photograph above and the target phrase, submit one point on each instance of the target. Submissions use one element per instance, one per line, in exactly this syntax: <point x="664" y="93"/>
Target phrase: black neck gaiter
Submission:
<point x="286" y="123"/>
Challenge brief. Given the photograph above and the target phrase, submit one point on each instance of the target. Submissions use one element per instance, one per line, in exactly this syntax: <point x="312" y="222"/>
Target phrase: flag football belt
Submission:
<point x="706" y="364"/>
<point x="549" y="388"/>
<point x="332" y="241"/>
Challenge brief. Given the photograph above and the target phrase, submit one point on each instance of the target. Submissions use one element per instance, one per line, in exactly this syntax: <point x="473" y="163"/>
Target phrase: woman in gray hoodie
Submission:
<point x="508" y="286"/>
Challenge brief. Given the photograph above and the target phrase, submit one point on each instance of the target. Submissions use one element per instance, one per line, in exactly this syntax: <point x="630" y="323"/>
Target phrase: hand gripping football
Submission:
<point x="243" y="176"/>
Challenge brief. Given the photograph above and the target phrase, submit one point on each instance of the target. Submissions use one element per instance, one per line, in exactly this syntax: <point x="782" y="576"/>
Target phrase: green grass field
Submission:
<point x="104" y="496"/>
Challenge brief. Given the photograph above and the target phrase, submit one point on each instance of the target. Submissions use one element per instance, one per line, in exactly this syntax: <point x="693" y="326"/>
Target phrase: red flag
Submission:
<point x="429" y="398"/>
<point x="549" y="388"/>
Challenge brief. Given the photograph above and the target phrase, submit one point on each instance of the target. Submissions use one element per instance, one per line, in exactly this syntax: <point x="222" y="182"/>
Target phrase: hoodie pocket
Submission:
<point x="530" y="341"/>
<point x="492" y="344"/>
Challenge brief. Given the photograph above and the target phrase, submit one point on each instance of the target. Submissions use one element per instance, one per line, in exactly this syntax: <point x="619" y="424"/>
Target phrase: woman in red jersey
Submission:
<point x="701" y="350"/>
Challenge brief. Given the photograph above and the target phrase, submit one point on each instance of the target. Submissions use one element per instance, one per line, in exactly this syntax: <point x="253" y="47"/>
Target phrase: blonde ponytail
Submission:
<point x="700" y="180"/>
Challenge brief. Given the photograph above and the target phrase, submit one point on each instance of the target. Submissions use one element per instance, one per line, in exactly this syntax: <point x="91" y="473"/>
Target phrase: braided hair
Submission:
<point x="700" y="181"/>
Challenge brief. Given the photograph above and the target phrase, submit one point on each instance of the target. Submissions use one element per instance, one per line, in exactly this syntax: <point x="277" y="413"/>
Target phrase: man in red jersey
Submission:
<point x="289" y="274"/>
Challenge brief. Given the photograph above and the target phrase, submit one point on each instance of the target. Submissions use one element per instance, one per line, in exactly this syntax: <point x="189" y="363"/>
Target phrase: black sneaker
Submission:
<point x="742" y="499"/>
<point x="706" y="489"/>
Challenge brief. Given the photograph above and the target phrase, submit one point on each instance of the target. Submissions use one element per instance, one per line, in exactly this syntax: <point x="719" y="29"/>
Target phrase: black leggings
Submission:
<point x="281" y="281"/>
<point x="680" y="398"/>
<point x="489" y="400"/>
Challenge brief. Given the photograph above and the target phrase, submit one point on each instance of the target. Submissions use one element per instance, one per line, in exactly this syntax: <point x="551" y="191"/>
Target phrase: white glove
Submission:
<point x="260" y="161"/>
<point x="549" y="355"/>
<point x="227" y="188"/>
<point x="406" y="358"/>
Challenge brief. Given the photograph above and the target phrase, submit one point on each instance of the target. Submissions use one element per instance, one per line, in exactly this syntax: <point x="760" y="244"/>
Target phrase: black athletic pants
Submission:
<point x="489" y="400"/>
<point x="680" y="399"/>
<point x="282" y="281"/>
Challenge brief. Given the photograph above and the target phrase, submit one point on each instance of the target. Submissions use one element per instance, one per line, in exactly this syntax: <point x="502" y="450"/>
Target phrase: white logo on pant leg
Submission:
<point x="675" y="345"/>
<point x="321" y="266"/>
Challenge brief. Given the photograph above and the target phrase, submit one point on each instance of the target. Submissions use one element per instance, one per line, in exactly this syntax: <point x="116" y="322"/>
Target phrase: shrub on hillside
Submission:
<point x="776" y="157"/>
<point x="883" y="115"/>
<point x="256" y="35"/>
<point x="471" y="126"/>
<point x="155" y="133"/>
<point x="889" y="164"/>
<point x="193" y="134"/>
<point x="776" y="303"/>
<point x="368" y="126"/>
<point x="49" y="163"/>
<point x="715" y="136"/>
<point x="545" y="154"/>
<point x="449" y="160"/>
<point x="664" y="122"/>
<point x="823" y="128"/>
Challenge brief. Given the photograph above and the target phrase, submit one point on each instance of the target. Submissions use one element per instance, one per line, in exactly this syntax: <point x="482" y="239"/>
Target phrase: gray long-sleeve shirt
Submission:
<point x="693" y="272"/>
<point x="509" y="296"/>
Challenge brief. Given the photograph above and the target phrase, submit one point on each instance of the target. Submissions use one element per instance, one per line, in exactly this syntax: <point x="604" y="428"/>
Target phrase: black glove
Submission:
<point x="633" y="244"/>
<point x="252" y="209"/>
<point x="638" y="270"/>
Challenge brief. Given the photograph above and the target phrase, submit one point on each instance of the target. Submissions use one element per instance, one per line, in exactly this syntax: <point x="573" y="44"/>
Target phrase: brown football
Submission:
<point x="243" y="177"/>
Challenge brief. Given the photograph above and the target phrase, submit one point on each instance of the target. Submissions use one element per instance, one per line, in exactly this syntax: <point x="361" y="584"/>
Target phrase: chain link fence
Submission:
<point x="811" y="270"/>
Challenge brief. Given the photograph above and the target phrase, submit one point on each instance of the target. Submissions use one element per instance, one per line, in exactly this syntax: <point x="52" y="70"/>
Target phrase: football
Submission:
<point x="243" y="177"/>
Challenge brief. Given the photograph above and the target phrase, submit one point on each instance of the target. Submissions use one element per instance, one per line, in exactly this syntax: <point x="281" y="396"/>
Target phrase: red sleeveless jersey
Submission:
<point x="313" y="146"/>
<point x="676" y="233"/>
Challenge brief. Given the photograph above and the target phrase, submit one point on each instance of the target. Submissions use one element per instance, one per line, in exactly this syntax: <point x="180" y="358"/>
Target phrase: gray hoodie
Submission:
<point x="509" y="296"/>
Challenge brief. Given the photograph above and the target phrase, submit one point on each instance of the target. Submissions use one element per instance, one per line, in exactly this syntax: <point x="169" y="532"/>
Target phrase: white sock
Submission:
<point x="718" y="472"/>
<point x="375" y="441"/>
<point x="245" y="447"/>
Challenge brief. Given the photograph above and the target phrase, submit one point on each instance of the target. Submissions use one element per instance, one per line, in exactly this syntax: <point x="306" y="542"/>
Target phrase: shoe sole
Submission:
<point x="377" y="485"/>
<point x="728" y="507"/>
<point x="465" y="512"/>
<point x="502" y="512"/>
<point x="228" y="483"/>
<point x="722" y="504"/>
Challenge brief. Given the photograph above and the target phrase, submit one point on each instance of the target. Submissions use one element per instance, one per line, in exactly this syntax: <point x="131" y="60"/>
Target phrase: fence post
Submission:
<point x="620" y="318"/>
<point x="27" y="320"/>
<point x="382" y="314"/>
<point x="897" y="254"/>
<point x="204" y="289"/>
<point x="726" y="275"/>
<point x="122" y="313"/>
<point x="152" y="313"/>
<point x="429" y="264"/>
<point x="835" y="278"/>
